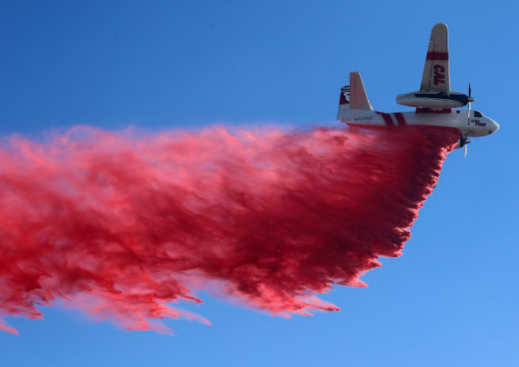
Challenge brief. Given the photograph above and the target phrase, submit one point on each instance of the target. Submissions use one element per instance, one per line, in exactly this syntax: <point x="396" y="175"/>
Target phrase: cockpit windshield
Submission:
<point x="478" y="114"/>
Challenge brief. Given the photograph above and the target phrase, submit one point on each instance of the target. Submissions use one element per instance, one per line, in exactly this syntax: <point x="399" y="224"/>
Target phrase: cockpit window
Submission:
<point x="478" y="114"/>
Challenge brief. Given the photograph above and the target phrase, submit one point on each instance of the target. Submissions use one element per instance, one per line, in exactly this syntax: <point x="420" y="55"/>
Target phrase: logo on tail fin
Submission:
<point x="345" y="95"/>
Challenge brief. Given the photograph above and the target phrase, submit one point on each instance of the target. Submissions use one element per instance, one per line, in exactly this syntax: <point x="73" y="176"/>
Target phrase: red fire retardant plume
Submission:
<point x="121" y="225"/>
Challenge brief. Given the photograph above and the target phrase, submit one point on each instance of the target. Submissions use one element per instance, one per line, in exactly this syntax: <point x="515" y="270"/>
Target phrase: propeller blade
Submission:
<point x="470" y="100"/>
<point x="466" y="150"/>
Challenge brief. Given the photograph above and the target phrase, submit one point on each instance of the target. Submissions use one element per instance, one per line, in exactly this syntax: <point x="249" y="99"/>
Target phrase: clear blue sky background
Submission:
<point x="451" y="300"/>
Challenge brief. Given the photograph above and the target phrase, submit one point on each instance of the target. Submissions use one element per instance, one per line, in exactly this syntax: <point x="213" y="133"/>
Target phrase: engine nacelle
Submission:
<point x="451" y="99"/>
<point x="462" y="142"/>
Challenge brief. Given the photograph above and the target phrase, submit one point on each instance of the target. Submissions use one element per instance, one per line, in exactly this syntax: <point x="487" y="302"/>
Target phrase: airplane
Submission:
<point x="434" y="102"/>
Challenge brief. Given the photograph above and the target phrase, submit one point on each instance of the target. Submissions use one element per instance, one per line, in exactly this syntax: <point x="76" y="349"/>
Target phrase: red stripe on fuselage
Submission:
<point x="400" y="119"/>
<point x="437" y="55"/>
<point x="387" y="119"/>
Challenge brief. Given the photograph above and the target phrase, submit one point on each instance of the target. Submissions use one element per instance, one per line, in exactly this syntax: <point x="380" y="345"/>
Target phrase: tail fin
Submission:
<point x="344" y="103"/>
<point x="358" y="98"/>
<point x="353" y="97"/>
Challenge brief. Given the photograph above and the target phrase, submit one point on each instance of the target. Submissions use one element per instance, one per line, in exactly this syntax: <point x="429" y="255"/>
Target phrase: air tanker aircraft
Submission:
<point x="434" y="101"/>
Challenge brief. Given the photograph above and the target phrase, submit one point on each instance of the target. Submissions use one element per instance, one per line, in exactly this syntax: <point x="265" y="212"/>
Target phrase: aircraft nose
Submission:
<point x="492" y="126"/>
<point x="495" y="126"/>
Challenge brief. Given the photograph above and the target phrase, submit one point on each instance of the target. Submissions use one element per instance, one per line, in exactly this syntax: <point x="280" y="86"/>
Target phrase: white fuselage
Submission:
<point x="477" y="125"/>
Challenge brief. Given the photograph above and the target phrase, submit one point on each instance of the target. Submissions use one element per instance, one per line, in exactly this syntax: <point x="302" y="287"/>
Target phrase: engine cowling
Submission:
<point x="450" y="99"/>
<point x="462" y="142"/>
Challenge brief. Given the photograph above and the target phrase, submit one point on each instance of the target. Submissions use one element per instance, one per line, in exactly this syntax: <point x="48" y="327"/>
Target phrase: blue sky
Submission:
<point x="451" y="300"/>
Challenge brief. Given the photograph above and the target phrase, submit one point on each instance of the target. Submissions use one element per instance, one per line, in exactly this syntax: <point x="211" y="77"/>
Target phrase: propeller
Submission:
<point x="470" y="99"/>
<point x="464" y="142"/>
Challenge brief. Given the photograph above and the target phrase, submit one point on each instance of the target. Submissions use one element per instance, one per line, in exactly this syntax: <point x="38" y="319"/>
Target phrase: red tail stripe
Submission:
<point x="437" y="55"/>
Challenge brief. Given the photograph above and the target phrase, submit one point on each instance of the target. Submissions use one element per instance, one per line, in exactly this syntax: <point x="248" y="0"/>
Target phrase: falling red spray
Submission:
<point x="119" y="226"/>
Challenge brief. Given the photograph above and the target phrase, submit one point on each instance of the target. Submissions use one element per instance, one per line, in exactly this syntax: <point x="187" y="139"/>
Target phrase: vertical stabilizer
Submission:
<point x="344" y="104"/>
<point x="358" y="98"/>
<point x="353" y="97"/>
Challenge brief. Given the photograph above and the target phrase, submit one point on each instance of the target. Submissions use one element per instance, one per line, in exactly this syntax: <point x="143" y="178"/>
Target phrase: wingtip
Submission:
<point x="442" y="25"/>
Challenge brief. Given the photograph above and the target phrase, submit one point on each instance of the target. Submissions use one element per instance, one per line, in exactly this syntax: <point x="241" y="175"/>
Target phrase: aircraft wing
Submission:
<point x="436" y="76"/>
